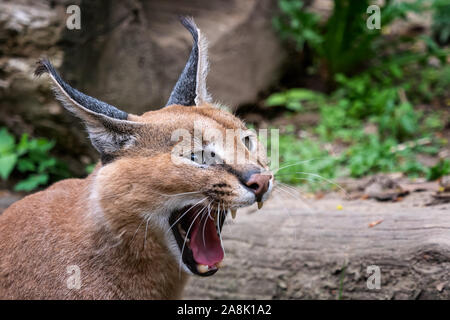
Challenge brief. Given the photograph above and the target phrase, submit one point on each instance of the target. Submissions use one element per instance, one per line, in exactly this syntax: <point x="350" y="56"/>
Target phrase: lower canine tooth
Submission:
<point x="260" y="204"/>
<point x="201" y="268"/>
<point x="233" y="213"/>
<point x="220" y="265"/>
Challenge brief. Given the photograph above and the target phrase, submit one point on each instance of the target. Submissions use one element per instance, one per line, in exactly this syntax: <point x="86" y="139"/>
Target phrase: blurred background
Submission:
<point x="352" y="103"/>
<point x="358" y="100"/>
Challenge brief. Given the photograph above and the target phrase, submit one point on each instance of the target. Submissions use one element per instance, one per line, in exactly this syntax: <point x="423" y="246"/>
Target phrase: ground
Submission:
<point x="305" y="246"/>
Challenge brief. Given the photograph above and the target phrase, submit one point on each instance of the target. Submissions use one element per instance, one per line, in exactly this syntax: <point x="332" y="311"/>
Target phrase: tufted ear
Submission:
<point x="108" y="127"/>
<point x="190" y="88"/>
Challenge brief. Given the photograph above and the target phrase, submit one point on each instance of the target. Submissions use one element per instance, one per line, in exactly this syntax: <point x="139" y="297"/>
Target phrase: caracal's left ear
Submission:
<point x="190" y="89"/>
<point x="109" y="128"/>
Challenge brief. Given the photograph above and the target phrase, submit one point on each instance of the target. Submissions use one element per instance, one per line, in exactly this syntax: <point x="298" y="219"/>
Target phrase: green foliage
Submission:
<point x="297" y="24"/>
<point x="90" y="167"/>
<point x="441" y="20"/>
<point x="370" y="115"/>
<point x="343" y="42"/>
<point x="302" y="161"/>
<point x="442" y="168"/>
<point x="375" y="155"/>
<point x="8" y="157"/>
<point x="30" y="158"/>
<point x="294" y="99"/>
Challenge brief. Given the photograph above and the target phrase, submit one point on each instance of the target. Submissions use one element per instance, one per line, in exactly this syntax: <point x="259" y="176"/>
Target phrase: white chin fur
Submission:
<point x="160" y="219"/>
<point x="245" y="198"/>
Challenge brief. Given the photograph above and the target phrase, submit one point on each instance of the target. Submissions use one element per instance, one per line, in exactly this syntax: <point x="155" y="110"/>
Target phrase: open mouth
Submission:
<point x="197" y="232"/>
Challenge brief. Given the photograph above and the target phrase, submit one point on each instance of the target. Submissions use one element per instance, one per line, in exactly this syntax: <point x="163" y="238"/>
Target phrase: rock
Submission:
<point x="133" y="56"/>
<point x="128" y="53"/>
<point x="444" y="182"/>
<point x="29" y="30"/>
<point x="384" y="188"/>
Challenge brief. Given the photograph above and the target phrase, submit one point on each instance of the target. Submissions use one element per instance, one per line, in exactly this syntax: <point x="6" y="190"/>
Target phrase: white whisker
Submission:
<point x="187" y="235"/>
<point x="325" y="179"/>
<point x="295" y="164"/>
<point x="180" y="217"/>
<point x="145" y="238"/>
<point x="218" y="228"/>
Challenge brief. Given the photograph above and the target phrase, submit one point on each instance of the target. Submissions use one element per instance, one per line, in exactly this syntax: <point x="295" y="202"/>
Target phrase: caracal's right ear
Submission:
<point x="190" y="89"/>
<point x="108" y="127"/>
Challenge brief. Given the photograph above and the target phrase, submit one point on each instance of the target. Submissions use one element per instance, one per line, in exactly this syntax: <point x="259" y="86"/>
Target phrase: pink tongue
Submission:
<point x="206" y="246"/>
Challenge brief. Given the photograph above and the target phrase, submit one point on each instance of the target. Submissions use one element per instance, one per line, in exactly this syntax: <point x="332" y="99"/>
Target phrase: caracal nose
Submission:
<point x="259" y="183"/>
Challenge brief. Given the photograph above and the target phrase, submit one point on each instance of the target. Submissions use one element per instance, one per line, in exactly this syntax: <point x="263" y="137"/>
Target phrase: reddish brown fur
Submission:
<point x="95" y="223"/>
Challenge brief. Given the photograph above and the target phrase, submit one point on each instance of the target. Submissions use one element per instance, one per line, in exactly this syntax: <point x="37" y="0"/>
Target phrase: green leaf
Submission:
<point x="294" y="105"/>
<point x="22" y="147"/>
<point x="45" y="164"/>
<point x="7" y="163"/>
<point x="303" y="95"/>
<point x="276" y="99"/>
<point x="7" y="142"/>
<point x="24" y="165"/>
<point x="442" y="168"/>
<point x="90" y="167"/>
<point x="32" y="182"/>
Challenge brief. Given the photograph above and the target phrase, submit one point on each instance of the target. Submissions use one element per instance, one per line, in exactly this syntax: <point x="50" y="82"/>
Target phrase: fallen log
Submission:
<point x="331" y="249"/>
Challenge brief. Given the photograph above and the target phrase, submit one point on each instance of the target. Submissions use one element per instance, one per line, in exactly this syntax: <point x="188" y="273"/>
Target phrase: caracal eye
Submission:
<point x="248" y="142"/>
<point x="198" y="157"/>
<point x="202" y="157"/>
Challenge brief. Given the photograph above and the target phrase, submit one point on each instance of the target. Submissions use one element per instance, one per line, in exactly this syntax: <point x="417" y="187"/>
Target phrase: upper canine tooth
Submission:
<point x="201" y="268"/>
<point x="260" y="204"/>
<point x="233" y="213"/>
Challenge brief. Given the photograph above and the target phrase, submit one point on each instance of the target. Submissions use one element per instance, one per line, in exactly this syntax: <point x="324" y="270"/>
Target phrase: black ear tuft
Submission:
<point x="92" y="104"/>
<point x="108" y="127"/>
<point x="42" y="66"/>
<point x="189" y="24"/>
<point x="190" y="88"/>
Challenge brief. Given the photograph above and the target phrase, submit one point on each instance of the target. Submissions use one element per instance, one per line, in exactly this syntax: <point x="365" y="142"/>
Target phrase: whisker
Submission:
<point x="209" y="215"/>
<point x="145" y="238"/>
<point x="295" y="164"/>
<point x="134" y="235"/>
<point x="204" y="224"/>
<point x="117" y="195"/>
<point x="292" y="219"/>
<point x="180" y="217"/>
<point x="288" y="189"/>
<point x="293" y="189"/>
<point x="187" y="235"/>
<point x="218" y="228"/>
<point x="178" y="194"/>
<point x="325" y="179"/>
<point x="295" y="196"/>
